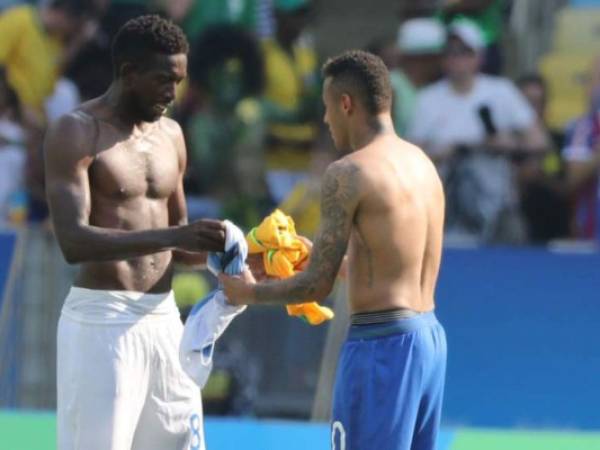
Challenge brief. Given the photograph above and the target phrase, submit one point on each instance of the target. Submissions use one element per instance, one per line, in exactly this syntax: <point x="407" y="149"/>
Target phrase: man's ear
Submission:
<point x="126" y="72"/>
<point x="346" y="104"/>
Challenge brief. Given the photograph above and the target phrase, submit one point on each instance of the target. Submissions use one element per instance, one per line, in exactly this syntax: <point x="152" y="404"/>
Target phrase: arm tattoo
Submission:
<point x="340" y="194"/>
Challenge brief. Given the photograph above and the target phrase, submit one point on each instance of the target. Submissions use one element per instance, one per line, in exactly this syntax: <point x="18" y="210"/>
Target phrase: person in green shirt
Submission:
<point x="196" y="16"/>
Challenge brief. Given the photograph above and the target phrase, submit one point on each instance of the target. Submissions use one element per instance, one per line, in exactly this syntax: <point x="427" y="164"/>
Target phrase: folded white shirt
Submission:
<point x="212" y="315"/>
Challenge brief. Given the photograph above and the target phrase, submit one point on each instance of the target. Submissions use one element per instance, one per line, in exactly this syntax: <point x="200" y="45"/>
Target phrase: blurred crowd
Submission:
<point x="251" y="111"/>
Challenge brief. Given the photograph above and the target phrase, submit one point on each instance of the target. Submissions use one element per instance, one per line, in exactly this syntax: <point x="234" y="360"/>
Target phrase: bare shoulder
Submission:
<point x="171" y="128"/>
<point x="349" y="168"/>
<point x="343" y="183"/>
<point x="70" y="135"/>
<point x="174" y="132"/>
<point x="426" y="167"/>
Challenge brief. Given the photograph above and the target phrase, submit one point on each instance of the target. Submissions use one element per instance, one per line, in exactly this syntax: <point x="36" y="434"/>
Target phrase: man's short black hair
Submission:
<point x="143" y="36"/>
<point x="364" y="75"/>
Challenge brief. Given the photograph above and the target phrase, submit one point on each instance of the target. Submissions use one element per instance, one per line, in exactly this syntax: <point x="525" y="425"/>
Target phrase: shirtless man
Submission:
<point x="114" y="172"/>
<point x="385" y="202"/>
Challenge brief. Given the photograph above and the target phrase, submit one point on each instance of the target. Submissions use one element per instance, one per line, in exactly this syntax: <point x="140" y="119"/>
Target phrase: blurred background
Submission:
<point x="503" y="95"/>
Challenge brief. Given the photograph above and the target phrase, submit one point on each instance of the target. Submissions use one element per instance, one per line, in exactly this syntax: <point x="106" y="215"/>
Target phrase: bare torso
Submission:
<point x="396" y="242"/>
<point x="131" y="180"/>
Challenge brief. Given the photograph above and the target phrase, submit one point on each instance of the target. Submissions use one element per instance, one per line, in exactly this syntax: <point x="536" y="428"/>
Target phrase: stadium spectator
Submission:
<point x="582" y="157"/>
<point x="254" y="16"/>
<point x="13" y="156"/>
<point x="420" y="42"/>
<point x="292" y="90"/>
<point x="36" y="44"/>
<point x="541" y="179"/>
<point x="468" y="112"/>
<point x="489" y="16"/>
<point x="225" y="126"/>
<point x="411" y="9"/>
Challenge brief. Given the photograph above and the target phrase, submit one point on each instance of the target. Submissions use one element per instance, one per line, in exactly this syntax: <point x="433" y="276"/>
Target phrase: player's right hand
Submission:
<point x="201" y="235"/>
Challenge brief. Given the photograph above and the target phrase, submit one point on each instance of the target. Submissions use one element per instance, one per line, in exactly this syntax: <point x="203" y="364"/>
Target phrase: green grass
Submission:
<point x="524" y="440"/>
<point x="37" y="431"/>
<point x="27" y="431"/>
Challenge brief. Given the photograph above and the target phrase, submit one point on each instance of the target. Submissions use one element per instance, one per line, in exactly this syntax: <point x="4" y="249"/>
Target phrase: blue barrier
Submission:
<point x="9" y="326"/>
<point x="522" y="328"/>
<point x="584" y="3"/>
<point x="7" y="249"/>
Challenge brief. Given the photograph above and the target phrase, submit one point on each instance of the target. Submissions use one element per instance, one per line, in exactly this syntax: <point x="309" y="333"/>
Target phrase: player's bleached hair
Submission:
<point x="364" y="75"/>
<point x="143" y="36"/>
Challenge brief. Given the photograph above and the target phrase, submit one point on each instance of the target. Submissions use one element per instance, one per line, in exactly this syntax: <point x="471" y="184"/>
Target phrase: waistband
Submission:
<point x="108" y="307"/>
<point x="388" y="315"/>
<point x="394" y="326"/>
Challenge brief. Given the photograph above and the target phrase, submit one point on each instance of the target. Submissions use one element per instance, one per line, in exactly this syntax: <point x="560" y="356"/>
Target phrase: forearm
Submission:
<point x="300" y="288"/>
<point x="91" y="243"/>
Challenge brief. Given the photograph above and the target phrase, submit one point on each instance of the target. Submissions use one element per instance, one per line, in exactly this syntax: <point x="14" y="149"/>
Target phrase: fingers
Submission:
<point x="210" y="234"/>
<point x="248" y="277"/>
<point x="237" y="288"/>
<point x="213" y="235"/>
<point x="211" y="223"/>
<point x="306" y="241"/>
<point x="223" y="278"/>
<point x="210" y="245"/>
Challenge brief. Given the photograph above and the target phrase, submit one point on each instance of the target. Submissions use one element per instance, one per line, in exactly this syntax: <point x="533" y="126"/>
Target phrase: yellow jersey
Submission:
<point x="288" y="78"/>
<point x="29" y="55"/>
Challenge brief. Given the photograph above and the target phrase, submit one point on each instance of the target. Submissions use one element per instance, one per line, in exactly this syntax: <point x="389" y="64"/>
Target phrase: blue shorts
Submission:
<point x="389" y="386"/>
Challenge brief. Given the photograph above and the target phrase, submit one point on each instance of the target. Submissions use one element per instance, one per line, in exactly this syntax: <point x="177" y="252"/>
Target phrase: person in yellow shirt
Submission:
<point x="31" y="46"/>
<point x="292" y="95"/>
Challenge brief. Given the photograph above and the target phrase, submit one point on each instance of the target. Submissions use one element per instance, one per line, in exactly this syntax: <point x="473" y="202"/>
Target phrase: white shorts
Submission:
<point x="120" y="385"/>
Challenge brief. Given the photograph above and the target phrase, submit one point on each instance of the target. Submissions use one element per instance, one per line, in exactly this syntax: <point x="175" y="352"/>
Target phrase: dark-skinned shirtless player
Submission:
<point x="114" y="170"/>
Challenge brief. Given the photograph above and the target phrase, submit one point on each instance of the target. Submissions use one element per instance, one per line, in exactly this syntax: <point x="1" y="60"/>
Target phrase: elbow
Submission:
<point x="72" y="255"/>
<point x="75" y="242"/>
<point x="322" y="291"/>
<point x="73" y="252"/>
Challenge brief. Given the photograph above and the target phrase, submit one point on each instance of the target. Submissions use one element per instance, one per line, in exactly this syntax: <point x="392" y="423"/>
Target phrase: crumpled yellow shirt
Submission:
<point x="283" y="254"/>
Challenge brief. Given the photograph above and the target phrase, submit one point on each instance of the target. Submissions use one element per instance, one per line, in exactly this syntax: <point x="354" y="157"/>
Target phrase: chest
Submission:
<point x="145" y="166"/>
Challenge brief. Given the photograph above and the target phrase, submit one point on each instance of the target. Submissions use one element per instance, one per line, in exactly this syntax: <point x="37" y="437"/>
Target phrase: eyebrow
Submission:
<point x="170" y="74"/>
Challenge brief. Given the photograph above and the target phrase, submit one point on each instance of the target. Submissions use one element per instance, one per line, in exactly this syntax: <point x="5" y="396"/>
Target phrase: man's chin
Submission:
<point x="152" y="117"/>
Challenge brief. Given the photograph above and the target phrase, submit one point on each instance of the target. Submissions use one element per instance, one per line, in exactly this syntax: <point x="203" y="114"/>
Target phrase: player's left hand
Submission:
<point x="238" y="288"/>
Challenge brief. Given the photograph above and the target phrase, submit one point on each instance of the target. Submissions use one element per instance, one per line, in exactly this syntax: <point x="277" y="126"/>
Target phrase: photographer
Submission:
<point x="472" y="125"/>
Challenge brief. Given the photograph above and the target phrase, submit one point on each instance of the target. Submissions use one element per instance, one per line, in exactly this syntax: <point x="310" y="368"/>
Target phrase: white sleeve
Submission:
<point x="519" y="113"/>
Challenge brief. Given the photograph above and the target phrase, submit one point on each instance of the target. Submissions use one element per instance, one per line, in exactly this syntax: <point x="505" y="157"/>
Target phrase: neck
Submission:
<point x="117" y="102"/>
<point x="371" y="129"/>
<point x="463" y="85"/>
